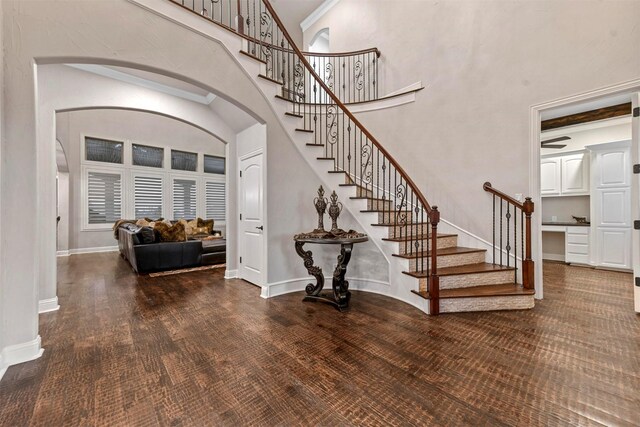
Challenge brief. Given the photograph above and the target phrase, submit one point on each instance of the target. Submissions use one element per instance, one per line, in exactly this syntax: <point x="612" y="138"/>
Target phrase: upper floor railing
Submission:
<point x="352" y="76"/>
<point x="347" y="144"/>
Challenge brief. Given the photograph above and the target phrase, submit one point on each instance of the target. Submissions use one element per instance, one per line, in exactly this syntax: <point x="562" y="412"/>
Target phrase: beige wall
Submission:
<point x="484" y="64"/>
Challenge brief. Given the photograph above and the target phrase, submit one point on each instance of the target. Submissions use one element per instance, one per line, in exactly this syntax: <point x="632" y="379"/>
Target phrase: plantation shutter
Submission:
<point x="147" y="196"/>
<point x="184" y="198"/>
<point x="215" y="200"/>
<point x="104" y="197"/>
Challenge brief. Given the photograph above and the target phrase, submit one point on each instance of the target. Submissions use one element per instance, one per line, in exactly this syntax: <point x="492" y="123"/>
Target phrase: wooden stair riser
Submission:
<point x="378" y="205"/>
<point x="489" y="303"/>
<point x="408" y="230"/>
<point x="363" y="192"/>
<point x="459" y="281"/>
<point x="394" y="217"/>
<point x="424" y="245"/>
<point x="448" y="260"/>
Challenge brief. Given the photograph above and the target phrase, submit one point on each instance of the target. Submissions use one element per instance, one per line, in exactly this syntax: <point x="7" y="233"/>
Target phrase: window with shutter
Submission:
<point x="215" y="200"/>
<point x="104" y="197"/>
<point x="184" y="198"/>
<point x="103" y="150"/>
<point x="143" y="155"/>
<point x="147" y="196"/>
<point x="184" y="161"/>
<point x="214" y="164"/>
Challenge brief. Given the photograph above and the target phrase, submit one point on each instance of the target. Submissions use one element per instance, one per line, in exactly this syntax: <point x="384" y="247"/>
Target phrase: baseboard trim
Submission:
<point x="296" y="285"/>
<point x="48" y="305"/>
<point x="99" y="249"/>
<point x="358" y="284"/>
<point x="63" y="253"/>
<point x="20" y="353"/>
<point x="553" y="257"/>
<point x="231" y="274"/>
<point x="3" y="367"/>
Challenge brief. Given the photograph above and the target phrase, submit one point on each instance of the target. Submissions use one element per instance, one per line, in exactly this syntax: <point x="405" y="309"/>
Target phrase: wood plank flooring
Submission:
<point x="193" y="349"/>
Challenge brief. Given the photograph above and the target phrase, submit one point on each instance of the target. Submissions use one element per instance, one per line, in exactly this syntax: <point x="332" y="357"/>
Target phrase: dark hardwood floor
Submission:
<point x="193" y="349"/>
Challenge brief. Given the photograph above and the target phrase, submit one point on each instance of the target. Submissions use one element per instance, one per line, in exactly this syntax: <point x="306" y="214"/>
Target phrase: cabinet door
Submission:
<point x="613" y="207"/>
<point x="550" y="177"/>
<point x="614" y="247"/>
<point x="575" y="174"/>
<point x="613" y="168"/>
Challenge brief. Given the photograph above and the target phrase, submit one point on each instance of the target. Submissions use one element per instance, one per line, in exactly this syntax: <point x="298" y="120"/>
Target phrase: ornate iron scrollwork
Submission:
<point x="298" y="81"/>
<point x="332" y="124"/>
<point x="266" y="37"/>
<point x="313" y="270"/>
<point x="367" y="166"/>
<point x="401" y="195"/>
<point x="358" y="76"/>
<point x="329" y="76"/>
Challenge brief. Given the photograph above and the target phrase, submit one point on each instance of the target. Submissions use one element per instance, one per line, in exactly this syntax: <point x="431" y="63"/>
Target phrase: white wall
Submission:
<point x="120" y="125"/>
<point x="484" y="64"/>
<point x="582" y="135"/>
<point x="63" y="212"/>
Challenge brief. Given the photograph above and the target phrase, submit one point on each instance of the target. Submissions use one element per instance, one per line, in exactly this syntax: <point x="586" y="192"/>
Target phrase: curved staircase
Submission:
<point x="427" y="268"/>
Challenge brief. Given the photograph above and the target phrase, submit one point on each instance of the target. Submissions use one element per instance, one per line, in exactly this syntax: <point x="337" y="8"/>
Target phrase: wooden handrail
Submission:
<point x="487" y="187"/>
<point x="355" y="52"/>
<point x="344" y="108"/>
<point x="527" y="208"/>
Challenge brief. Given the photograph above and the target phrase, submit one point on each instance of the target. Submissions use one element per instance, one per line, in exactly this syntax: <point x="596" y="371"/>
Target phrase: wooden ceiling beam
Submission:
<point x="588" y="116"/>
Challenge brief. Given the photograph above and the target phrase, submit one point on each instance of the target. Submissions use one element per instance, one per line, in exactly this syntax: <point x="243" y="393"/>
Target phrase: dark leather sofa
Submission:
<point x="146" y="257"/>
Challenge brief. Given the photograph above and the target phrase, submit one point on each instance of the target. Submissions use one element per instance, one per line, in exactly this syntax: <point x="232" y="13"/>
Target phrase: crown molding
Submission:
<point x="317" y="14"/>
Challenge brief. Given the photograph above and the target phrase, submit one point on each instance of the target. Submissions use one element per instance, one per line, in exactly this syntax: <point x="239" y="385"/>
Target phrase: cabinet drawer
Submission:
<point x="572" y="248"/>
<point x="581" y="239"/>
<point x="577" y="230"/>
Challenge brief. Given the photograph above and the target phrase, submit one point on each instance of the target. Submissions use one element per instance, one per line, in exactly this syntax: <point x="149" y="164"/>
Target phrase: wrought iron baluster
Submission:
<point x="508" y="247"/>
<point x="515" y="244"/>
<point x="494" y="230"/>
<point x="501" y="233"/>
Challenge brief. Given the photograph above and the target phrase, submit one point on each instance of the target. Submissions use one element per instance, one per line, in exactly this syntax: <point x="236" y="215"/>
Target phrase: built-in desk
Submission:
<point x="576" y="241"/>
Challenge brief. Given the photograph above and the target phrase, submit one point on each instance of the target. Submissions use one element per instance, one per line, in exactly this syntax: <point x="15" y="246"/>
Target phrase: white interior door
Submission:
<point x="635" y="197"/>
<point x="251" y="244"/>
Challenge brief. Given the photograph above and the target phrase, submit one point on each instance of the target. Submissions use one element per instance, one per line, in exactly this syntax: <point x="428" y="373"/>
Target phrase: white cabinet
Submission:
<point x="566" y="175"/>
<point x="577" y="245"/>
<point x="550" y="184"/>
<point x="575" y="174"/>
<point x="611" y="204"/>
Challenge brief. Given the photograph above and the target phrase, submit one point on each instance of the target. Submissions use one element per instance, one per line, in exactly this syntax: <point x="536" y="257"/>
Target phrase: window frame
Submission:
<point x="150" y="168"/>
<point x="83" y="150"/>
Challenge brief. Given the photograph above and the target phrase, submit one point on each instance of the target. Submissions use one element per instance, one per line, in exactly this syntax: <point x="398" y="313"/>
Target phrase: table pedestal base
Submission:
<point x="341" y="295"/>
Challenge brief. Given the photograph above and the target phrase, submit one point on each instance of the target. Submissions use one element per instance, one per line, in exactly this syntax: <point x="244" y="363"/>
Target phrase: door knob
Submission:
<point x="260" y="228"/>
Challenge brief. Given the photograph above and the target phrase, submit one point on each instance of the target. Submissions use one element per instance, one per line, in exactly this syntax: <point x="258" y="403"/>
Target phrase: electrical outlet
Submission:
<point x="519" y="197"/>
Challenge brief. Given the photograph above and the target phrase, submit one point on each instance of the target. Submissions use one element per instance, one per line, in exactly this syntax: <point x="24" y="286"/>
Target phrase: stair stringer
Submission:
<point x="400" y="285"/>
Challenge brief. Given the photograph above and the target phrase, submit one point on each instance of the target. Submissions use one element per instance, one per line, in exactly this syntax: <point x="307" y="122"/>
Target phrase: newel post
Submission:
<point x="528" y="281"/>
<point x="434" y="280"/>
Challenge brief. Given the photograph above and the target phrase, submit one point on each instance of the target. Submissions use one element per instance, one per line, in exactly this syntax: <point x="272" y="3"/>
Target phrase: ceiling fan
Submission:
<point x="558" y="146"/>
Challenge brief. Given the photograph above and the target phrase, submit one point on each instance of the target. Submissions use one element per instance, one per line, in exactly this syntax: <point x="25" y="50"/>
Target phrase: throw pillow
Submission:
<point x="174" y="233"/>
<point x="146" y="235"/>
<point x="191" y="226"/>
<point x="153" y="220"/>
<point x="206" y="223"/>
<point x="200" y="230"/>
<point x="142" y="222"/>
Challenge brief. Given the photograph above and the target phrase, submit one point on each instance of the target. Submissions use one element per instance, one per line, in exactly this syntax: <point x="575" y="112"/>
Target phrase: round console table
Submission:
<point x="341" y="294"/>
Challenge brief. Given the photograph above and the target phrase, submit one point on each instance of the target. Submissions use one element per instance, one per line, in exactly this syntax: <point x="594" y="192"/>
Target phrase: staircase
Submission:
<point x="427" y="267"/>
